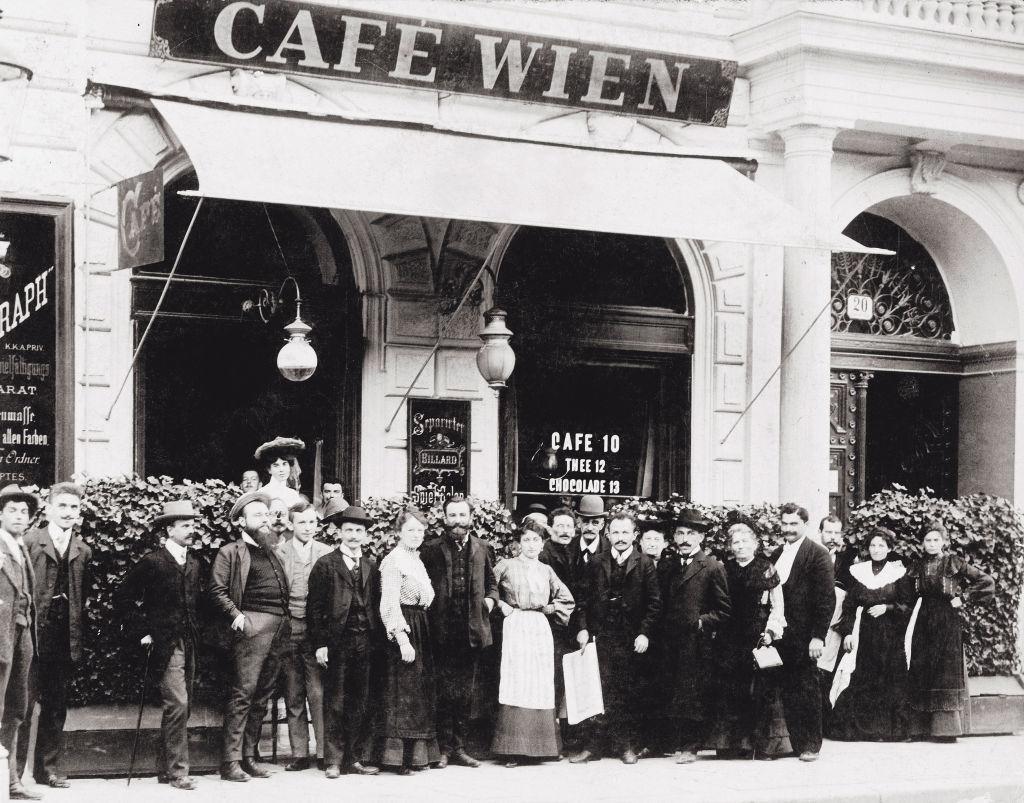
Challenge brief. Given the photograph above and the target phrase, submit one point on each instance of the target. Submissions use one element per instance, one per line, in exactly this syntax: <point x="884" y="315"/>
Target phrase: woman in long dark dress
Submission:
<point x="745" y="718"/>
<point x="938" y="585"/>
<point x="410" y="736"/>
<point x="871" y="679"/>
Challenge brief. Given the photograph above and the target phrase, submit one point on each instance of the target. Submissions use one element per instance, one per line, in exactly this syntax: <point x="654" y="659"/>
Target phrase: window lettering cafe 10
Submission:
<point x="335" y="43"/>
<point x="589" y="462"/>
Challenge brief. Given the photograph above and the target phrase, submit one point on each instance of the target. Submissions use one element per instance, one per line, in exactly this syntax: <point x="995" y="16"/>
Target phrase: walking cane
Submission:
<point x="138" y="722"/>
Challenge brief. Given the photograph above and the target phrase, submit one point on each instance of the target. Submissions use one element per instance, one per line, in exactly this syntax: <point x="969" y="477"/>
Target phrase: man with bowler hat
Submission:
<point x="60" y="563"/>
<point x="249" y="592"/>
<point x="17" y="508"/>
<point x="461" y="570"/>
<point x="695" y="603"/>
<point x="166" y="585"/>
<point x="620" y="611"/>
<point x="343" y="613"/>
<point x="591" y="541"/>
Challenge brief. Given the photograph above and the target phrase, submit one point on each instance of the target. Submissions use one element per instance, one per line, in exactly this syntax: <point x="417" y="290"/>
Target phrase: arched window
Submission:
<point x="907" y="295"/>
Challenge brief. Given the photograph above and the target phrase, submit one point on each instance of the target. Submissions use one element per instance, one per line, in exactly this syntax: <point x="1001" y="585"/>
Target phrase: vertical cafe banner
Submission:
<point x="28" y="349"/>
<point x="439" y="448"/>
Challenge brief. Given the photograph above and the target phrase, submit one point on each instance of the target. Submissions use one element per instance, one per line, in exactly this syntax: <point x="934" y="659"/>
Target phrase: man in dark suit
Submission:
<point x="591" y="541"/>
<point x="830" y="529"/>
<point x="695" y="604"/>
<point x="343" y="613"/>
<point x="17" y="508"/>
<point x="60" y="563"/>
<point x="249" y="592"/>
<point x="461" y="570"/>
<point x="165" y="585"/>
<point x="657" y="728"/>
<point x="620" y="611"/>
<point x="809" y="596"/>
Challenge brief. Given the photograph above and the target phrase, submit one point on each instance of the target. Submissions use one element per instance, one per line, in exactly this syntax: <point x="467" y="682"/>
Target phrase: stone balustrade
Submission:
<point x="997" y="18"/>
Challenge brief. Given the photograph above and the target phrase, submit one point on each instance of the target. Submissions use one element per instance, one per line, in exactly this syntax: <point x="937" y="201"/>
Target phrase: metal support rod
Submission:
<point x="443" y="331"/>
<point x="795" y="346"/>
<point x="156" y="309"/>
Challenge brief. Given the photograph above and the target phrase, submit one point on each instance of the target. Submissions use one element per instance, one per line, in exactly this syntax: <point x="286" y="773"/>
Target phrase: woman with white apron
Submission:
<point x="529" y="592"/>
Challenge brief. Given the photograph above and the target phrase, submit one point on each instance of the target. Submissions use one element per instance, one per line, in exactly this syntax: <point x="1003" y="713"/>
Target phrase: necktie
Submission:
<point x="356" y="576"/>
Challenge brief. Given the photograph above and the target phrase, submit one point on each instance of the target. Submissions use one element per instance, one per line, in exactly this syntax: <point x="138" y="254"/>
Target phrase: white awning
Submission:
<point x="335" y="163"/>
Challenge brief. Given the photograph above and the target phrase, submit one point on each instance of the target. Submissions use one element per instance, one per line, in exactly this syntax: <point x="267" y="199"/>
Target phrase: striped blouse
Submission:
<point x="404" y="581"/>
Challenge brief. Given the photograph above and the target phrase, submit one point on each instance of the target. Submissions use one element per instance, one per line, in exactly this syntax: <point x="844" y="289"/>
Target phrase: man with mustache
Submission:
<point x="249" y="590"/>
<point x="461" y="570"/>
<point x="620" y="610"/>
<point x="165" y="586"/>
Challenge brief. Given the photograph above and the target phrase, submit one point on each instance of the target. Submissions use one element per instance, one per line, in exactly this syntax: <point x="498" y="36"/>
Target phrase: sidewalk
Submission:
<point x="982" y="769"/>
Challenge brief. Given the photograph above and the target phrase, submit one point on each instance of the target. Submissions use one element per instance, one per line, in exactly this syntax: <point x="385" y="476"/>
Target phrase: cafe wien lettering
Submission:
<point x="331" y="42"/>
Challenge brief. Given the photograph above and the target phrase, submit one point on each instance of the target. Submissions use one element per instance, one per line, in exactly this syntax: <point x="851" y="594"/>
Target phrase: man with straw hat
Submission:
<point x="165" y="585"/>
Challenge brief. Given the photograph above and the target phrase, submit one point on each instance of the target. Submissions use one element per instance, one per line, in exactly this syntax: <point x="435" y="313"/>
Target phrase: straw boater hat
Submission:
<point x="591" y="507"/>
<point x="244" y="499"/>
<point x="175" y="511"/>
<point x="351" y="514"/>
<point x="693" y="519"/>
<point x="279" y="447"/>
<point x="14" y="493"/>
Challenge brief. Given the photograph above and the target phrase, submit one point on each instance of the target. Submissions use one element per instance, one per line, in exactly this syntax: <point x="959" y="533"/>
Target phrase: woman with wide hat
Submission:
<point x="280" y="459"/>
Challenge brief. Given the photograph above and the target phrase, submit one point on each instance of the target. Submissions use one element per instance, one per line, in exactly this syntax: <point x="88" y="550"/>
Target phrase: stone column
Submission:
<point x="806" y="289"/>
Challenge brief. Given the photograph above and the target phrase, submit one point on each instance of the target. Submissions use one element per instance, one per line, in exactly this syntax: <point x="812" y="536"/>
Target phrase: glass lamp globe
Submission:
<point x="297" y="360"/>
<point x="14" y="78"/>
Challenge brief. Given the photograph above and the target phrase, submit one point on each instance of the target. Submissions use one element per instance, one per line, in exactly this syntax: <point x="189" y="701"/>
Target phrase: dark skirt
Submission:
<point x="410" y="707"/>
<point x="873" y="707"/>
<point x="939" y="700"/>
<point x="525" y="732"/>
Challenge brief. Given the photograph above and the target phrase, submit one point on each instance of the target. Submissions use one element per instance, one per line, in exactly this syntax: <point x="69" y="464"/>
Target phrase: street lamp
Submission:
<point x="495" y="360"/>
<point x="14" y="78"/>
<point x="297" y="359"/>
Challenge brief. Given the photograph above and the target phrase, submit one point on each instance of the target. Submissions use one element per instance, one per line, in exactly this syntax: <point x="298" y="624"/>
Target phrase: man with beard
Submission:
<point x="621" y="611"/>
<point x="657" y="735"/>
<point x="249" y="590"/>
<point x="280" y="522"/>
<point x="60" y="562"/>
<point x="461" y="570"/>
<point x="165" y="585"/>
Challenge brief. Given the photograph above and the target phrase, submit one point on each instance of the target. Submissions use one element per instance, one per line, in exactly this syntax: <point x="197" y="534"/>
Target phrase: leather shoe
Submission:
<point x="405" y="770"/>
<point x="299" y="764"/>
<point x="232" y="771"/>
<point x="184" y="782"/>
<point x="357" y="768"/>
<point x="19" y="792"/>
<point x="333" y="771"/>
<point x="321" y="764"/>
<point x="442" y="762"/>
<point x="55" y="782"/>
<point x="463" y="758"/>
<point x="629" y="757"/>
<point x="582" y="757"/>
<point x="686" y="757"/>
<point x="808" y="755"/>
<point x="253" y="769"/>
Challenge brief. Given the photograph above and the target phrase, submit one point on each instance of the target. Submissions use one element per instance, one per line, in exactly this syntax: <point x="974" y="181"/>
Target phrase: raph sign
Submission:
<point x="336" y="43"/>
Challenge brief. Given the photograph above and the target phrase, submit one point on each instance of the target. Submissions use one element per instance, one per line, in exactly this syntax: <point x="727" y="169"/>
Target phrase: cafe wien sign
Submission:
<point x="332" y="42"/>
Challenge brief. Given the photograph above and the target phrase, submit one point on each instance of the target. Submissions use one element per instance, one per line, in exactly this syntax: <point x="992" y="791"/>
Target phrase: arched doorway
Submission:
<point x="207" y="387"/>
<point x="895" y="400"/>
<point x="600" y="398"/>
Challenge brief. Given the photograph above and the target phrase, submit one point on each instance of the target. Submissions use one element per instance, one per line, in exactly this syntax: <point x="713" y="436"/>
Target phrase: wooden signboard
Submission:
<point x="439" y="449"/>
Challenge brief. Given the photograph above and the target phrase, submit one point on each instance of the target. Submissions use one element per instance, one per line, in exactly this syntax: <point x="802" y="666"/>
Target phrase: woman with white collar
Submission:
<point x="869" y="692"/>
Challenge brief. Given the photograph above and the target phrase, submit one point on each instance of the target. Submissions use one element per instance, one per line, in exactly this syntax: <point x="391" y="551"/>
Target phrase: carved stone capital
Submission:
<point x="926" y="171"/>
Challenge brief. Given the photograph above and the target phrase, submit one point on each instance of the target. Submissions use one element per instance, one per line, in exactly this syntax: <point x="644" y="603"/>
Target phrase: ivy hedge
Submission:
<point x="118" y="512"/>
